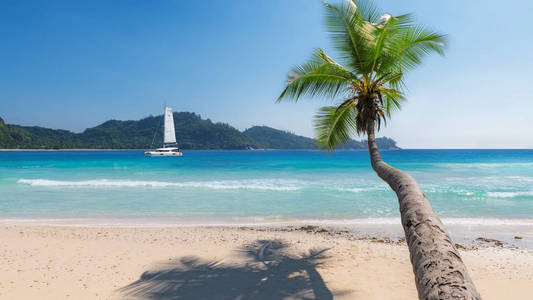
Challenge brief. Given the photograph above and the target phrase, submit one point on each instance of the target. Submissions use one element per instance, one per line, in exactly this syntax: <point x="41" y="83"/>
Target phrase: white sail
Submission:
<point x="170" y="134"/>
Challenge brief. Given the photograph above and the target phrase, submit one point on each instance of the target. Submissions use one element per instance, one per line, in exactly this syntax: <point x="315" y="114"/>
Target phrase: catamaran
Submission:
<point x="170" y="147"/>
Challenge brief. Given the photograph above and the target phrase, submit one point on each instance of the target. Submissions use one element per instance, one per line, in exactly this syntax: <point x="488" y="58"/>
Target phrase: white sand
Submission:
<point x="54" y="262"/>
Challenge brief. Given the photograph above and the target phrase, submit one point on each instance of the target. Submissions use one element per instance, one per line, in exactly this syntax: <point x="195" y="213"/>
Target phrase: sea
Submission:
<point x="477" y="193"/>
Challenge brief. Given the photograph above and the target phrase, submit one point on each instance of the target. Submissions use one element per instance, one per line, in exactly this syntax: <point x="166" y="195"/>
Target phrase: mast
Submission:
<point x="170" y="134"/>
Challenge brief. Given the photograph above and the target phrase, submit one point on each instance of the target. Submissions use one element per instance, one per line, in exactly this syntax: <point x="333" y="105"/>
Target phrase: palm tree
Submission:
<point x="375" y="51"/>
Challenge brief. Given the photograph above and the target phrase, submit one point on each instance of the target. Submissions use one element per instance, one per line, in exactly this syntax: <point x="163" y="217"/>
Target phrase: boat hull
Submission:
<point x="162" y="154"/>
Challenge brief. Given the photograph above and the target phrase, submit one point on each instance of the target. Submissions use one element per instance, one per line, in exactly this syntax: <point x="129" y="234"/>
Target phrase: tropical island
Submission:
<point x="192" y="132"/>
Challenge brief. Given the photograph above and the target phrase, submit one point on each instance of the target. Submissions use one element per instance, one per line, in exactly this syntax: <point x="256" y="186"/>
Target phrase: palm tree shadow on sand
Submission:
<point x="269" y="273"/>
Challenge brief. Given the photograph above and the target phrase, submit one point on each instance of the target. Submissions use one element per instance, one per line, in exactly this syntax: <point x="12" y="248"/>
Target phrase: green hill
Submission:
<point x="192" y="132"/>
<point x="271" y="138"/>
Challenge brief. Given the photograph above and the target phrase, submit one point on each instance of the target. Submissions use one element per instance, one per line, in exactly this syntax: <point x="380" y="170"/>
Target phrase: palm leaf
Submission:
<point x="407" y="48"/>
<point x="344" y="24"/>
<point x="367" y="10"/>
<point x="392" y="99"/>
<point x="334" y="126"/>
<point x="320" y="76"/>
<point x="385" y="33"/>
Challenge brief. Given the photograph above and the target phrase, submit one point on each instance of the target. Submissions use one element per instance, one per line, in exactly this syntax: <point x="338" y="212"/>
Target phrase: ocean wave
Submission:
<point x="250" y="184"/>
<point x="447" y="190"/>
<point x="520" y="178"/>
<point x="509" y="194"/>
<point x="353" y="190"/>
<point x="484" y="165"/>
<point x="491" y="179"/>
<point x="273" y="185"/>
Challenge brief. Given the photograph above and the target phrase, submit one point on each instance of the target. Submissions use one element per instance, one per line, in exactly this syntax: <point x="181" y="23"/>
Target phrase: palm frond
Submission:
<point x="367" y="10"/>
<point x="333" y="126"/>
<point x="409" y="46"/>
<point x="392" y="99"/>
<point x="320" y="76"/>
<point x="344" y="24"/>
<point x="385" y="36"/>
<point x="349" y="101"/>
<point x="393" y="80"/>
<point x="420" y="42"/>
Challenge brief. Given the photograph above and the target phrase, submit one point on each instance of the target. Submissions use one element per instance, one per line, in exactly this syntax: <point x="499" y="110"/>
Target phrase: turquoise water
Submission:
<point x="259" y="185"/>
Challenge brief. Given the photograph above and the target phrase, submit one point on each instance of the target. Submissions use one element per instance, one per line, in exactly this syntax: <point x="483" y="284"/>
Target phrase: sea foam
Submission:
<point x="509" y="194"/>
<point x="251" y="184"/>
<point x="272" y="185"/>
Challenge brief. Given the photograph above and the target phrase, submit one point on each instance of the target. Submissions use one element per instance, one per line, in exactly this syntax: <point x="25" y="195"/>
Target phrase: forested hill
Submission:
<point x="271" y="138"/>
<point x="192" y="132"/>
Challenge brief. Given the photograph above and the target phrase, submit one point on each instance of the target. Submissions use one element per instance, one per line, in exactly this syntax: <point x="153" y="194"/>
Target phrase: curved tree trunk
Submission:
<point x="439" y="271"/>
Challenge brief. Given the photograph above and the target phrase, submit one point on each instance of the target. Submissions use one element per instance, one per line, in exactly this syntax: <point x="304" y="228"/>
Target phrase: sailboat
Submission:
<point x="170" y="147"/>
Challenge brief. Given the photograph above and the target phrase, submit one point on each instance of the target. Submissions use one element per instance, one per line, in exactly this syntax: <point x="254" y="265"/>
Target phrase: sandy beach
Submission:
<point x="68" y="262"/>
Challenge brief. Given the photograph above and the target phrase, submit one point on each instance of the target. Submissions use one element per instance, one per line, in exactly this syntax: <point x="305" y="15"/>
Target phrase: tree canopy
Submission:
<point x="375" y="51"/>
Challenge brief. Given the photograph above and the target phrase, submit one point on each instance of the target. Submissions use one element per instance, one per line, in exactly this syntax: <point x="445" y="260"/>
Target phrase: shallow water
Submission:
<point x="476" y="192"/>
<point x="260" y="185"/>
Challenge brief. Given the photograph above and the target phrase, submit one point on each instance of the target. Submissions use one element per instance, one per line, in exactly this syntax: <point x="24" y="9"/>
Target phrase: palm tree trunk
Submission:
<point x="439" y="271"/>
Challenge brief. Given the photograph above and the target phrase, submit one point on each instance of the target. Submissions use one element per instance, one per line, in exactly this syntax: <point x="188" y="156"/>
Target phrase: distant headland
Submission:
<point x="192" y="132"/>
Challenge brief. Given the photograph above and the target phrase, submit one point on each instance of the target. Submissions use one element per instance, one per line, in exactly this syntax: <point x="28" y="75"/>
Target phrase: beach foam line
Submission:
<point x="509" y="194"/>
<point x="484" y="165"/>
<point x="250" y="184"/>
<point x="167" y="221"/>
<point x="273" y="185"/>
<point x="482" y="221"/>
<point x="355" y="190"/>
<point x="488" y="221"/>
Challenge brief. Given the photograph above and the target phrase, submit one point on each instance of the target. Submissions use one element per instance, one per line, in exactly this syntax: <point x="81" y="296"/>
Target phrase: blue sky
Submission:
<point x="75" y="64"/>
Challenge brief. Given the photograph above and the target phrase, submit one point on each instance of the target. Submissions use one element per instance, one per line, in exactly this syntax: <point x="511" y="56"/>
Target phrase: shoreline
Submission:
<point x="466" y="232"/>
<point x="199" y="220"/>
<point x="51" y="262"/>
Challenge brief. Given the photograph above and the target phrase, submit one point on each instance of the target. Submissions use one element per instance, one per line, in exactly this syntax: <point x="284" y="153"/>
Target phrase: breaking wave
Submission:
<point x="485" y="165"/>
<point x="248" y="184"/>
<point x="272" y="185"/>
<point x="355" y="190"/>
<point x="509" y="194"/>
